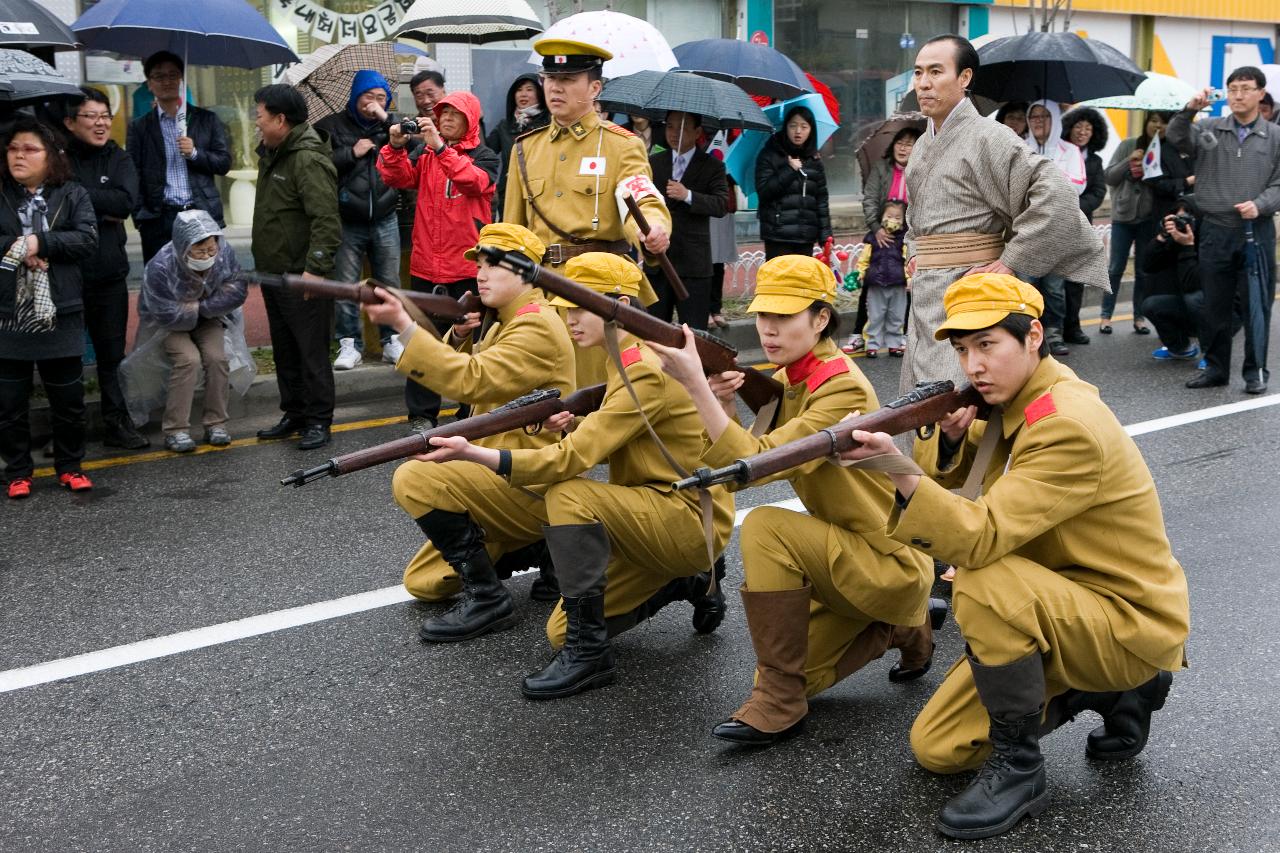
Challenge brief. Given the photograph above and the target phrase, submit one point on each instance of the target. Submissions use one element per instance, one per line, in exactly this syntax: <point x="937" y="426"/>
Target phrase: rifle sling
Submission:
<point x="972" y="487"/>
<point x="415" y="313"/>
<point x="704" y="495"/>
<point x="528" y="194"/>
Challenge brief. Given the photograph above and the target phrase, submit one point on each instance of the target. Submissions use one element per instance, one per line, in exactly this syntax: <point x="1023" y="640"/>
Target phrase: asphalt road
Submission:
<point x="348" y="734"/>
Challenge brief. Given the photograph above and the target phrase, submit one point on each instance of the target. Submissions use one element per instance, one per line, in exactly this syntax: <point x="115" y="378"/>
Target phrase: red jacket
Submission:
<point x="455" y="196"/>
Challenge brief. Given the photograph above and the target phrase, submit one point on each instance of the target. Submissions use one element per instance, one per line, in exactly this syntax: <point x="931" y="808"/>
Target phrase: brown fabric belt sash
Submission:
<point x="558" y="253"/>
<point x="944" y="251"/>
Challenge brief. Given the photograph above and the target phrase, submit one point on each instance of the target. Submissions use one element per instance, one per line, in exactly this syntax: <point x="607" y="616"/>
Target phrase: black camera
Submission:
<point x="1183" y="222"/>
<point x="409" y="126"/>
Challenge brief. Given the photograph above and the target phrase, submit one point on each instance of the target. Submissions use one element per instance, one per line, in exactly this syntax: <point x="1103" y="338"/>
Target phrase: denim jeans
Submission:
<point x="380" y="241"/>
<point x="1176" y="317"/>
<point x="1054" y="290"/>
<point x="1126" y="236"/>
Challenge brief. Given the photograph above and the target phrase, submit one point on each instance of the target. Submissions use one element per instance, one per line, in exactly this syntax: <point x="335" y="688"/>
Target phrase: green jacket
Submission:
<point x="295" y="220"/>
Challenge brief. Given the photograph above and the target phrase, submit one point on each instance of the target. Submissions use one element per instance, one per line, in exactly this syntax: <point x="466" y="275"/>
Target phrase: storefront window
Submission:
<point x="855" y="47"/>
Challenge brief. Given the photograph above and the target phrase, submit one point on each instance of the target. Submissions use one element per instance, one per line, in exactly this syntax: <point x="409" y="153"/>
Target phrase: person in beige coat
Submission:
<point x="1067" y="592"/>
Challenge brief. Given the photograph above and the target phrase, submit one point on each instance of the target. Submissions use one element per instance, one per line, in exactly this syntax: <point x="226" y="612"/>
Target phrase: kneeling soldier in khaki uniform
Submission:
<point x="825" y="592"/>
<point x="526" y="348"/>
<point x="621" y="548"/>
<point x="1066" y="590"/>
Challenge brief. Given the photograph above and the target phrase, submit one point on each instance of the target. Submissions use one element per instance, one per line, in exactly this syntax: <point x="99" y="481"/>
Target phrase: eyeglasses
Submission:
<point x="1240" y="91"/>
<point x="171" y="77"/>
<point x="95" y="118"/>
<point x="25" y="150"/>
<point x="203" y="254"/>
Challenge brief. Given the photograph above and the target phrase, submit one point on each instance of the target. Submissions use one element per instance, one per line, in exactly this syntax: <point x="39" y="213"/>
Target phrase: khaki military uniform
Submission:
<point x="1065" y="555"/>
<point x="573" y="173"/>
<point x="857" y="574"/>
<point x="526" y="349"/>
<point x="655" y="533"/>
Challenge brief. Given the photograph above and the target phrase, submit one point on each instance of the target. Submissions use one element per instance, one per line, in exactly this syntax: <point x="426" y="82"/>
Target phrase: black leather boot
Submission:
<point x="910" y="666"/>
<point x="485" y="605"/>
<point x="120" y="432"/>
<point x="531" y="556"/>
<point x="1127" y="723"/>
<point x="581" y="554"/>
<point x="709" y="608"/>
<point x="1011" y="784"/>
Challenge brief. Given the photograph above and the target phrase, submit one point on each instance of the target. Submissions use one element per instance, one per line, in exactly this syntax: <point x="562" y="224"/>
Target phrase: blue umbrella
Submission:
<point x="741" y="160"/>
<point x="757" y="69"/>
<point x="1255" y="265"/>
<point x="207" y="32"/>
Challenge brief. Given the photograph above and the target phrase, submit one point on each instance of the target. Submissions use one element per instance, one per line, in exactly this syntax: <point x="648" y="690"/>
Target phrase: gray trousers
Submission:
<point x="187" y="351"/>
<point x="886" y="313"/>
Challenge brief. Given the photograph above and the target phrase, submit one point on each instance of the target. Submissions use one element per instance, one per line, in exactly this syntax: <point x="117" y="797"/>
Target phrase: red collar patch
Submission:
<point x="800" y="370"/>
<point x="630" y="356"/>
<point x="834" y="367"/>
<point x="1041" y="407"/>
<point x="531" y="308"/>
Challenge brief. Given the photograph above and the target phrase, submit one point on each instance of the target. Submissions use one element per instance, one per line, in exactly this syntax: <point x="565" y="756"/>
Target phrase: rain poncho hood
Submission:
<point x="469" y="105"/>
<point x="1067" y="157"/>
<point x="364" y="80"/>
<point x="174" y="298"/>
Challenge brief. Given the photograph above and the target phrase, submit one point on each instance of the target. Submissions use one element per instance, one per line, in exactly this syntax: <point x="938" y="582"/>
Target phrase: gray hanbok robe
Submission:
<point x="975" y="176"/>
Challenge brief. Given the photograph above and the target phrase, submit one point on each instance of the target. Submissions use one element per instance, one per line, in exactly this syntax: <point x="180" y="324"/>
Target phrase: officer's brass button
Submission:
<point x="562" y="157"/>
<point x="588" y="190"/>
<point x="558" y="193"/>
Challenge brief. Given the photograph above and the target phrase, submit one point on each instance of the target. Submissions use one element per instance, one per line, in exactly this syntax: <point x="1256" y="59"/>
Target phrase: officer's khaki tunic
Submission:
<point x="858" y="575"/>
<point x="573" y="173"/>
<point x="527" y="349"/>
<point x="1065" y="554"/>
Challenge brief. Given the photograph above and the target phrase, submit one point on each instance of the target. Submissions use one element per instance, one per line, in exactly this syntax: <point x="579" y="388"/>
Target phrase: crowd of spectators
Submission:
<point x="358" y="191"/>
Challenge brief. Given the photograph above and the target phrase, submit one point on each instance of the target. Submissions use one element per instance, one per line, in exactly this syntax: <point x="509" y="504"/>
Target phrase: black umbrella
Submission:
<point x="1258" y="276"/>
<point x="24" y="79"/>
<point x="24" y="23"/>
<point x="1055" y="66"/>
<point x="653" y="94"/>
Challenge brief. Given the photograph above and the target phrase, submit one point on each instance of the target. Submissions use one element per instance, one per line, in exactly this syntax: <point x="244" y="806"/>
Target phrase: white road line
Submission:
<point x="293" y="617"/>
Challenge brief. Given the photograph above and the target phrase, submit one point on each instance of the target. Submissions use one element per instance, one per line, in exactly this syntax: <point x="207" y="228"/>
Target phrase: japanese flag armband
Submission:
<point x="638" y="187"/>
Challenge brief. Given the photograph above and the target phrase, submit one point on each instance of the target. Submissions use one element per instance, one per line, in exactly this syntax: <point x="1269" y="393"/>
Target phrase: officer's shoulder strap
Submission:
<point x="617" y="128"/>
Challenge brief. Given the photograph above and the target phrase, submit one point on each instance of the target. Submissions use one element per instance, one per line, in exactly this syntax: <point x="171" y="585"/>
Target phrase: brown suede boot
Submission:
<point x="779" y="626"/>
<point x="870" y="644"/>
<point x="917" y="644"/>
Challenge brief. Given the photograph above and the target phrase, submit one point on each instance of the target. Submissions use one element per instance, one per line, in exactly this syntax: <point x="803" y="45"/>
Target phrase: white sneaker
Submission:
<point x="348" y="355"/>
<point x="392" y="350"/>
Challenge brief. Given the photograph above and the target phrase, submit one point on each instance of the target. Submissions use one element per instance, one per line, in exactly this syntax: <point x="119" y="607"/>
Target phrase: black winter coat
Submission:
<point x="1095" y="188"/>
<point x="1169" y="187"/>
<point x="362" y="196"/>
<point x="107" y="173"/>
<point x="1172" y="268"/>
<point x="71" y="238"/>
<point x="145" y="144"/>
<point x="793" y="203"/>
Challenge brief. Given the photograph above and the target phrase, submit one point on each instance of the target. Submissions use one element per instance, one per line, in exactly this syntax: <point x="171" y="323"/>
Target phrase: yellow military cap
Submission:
<point x="789" y="284"/>
<point x="981" y="300"/>
<point x="603" y="272"/>
<point x="566" y="56"/>
<point x="509" y="237"/>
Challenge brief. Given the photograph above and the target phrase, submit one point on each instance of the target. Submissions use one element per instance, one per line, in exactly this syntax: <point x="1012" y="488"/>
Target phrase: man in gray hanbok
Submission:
<point x="980" y="202"/>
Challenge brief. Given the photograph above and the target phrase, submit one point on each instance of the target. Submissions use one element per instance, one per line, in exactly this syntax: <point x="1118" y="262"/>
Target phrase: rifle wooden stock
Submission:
<point x="716" y="355"/>
<point x="531" y="409"/>
<point x="668" y="270"/>
<point x="923" y="406"/>
<point x="438" y="305"/>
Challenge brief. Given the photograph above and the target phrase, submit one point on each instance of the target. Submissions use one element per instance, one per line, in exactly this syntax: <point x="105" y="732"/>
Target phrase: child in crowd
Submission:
<point x="884" y="275"/>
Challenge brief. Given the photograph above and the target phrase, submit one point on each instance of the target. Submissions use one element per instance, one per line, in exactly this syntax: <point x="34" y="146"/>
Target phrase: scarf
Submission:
<point x="34" y="311"/>
<point x="524" y="115"/>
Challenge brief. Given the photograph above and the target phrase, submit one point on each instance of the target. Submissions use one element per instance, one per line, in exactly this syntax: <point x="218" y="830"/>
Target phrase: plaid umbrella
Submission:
<point x="653" y="94"/>
<point x="324" y="78"/>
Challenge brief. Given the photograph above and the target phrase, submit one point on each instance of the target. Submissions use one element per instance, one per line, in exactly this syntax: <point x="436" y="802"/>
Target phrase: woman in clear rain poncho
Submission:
<point x="189" y="315"/>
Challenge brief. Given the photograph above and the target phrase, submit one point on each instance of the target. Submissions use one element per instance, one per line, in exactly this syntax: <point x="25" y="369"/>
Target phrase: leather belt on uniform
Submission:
<point x="558" y="253"/>
<point x="945" y="251"/>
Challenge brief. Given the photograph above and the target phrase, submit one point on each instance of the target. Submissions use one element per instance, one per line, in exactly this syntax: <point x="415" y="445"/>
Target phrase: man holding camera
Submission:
<point x="455" y="177"/>
<point x="1174" y="302"/>
<point x="1237" y="190"/>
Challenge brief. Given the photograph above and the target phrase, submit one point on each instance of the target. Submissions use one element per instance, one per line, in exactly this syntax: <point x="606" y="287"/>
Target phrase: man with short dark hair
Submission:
<point x="427" y="88"/>
<point x="694" y="186"/>
<point x="1237" y="191"/>
<point x="296" y="229"/>
<point x="177" y="149"/>
<point x="107" y="173"/>
<point x="1068" y="596"/>
<point x="980" y="201"/>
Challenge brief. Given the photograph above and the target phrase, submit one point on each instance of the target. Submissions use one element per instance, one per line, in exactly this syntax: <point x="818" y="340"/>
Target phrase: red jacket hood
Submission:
<point x="469" y="105"/>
